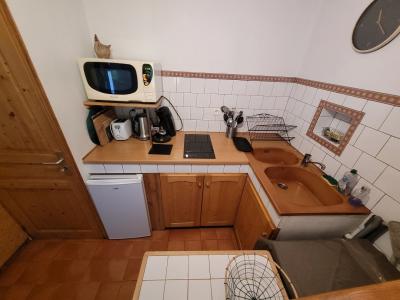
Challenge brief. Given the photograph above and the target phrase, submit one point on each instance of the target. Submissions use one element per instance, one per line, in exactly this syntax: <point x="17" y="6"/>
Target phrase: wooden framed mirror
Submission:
<point x="333" y="125"/>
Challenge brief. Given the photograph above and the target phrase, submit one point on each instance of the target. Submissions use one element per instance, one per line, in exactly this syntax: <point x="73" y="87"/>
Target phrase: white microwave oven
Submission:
<point x="121" y="80"/>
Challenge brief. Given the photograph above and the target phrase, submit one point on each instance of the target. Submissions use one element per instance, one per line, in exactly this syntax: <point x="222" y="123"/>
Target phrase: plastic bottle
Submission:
<point x="348" y="182"/>
<point x="360" y="196"/>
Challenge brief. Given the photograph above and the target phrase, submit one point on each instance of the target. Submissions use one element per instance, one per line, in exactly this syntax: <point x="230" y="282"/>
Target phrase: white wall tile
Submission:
<point x="243" y="101"/>
<point x="176" y="99"/>
<point x="203" y="100"/>
<point x="113" y="168"/>
<point x="215" y="169"/>
<point x="375" y="114"/>
<point x="131" y="168"/>
<point x="95" y="168"/>
<point x="298" y="108"/>
<point x="371" y="141"/>
<point x="268" y="102"/>
<point x="305" y="147"/>
<point x="340" y="173"/>
<point x="211" y="86"/>
<point x="256" y="102"/>
<point x="320" y="95"/>
<point x="178" y="267"/>
<point x="175" y="290"/>
<point x="225" y="87"/>
<point x="317" y="154"/>
<point x="214" y="126"/>
<point x="209" y="113"/>
<point x="244" y="168"/>
<point x="356" y="134"/>
<point x="218" y="289"/>
<point x="216" y="100"/>
<point x="308" y="113"/>
<point x="391" y="124"/>
<point x="218" y="264"/>
<point x="309" y="95"/>
<point x="390" y="153"/>
<point x="183" y="84"/>
<point x="289" y="88"/>
<point x="369" y="167"/>
<point x="253" y="88"/>
<point x="231" y="168"/>
<point x="354" y="103"/>
<point x="197" y="85"/>
<point x="199" y="290"/>
<point x="149" y="168"/>
<point x="199" y="267"/>
<point x="196" y="113"/>
<point x="184" y="112"/>
<point x="389" y="182"/>
<point x="152" y="290"/>
<point x="156" y="268"/>
<point x="189" y="99"/>
<point x="279" y="89"/>
<point x="280" y="102"/>
<point x="266" y="88"/>
<point x="375" y="194"/>
<point x="166" y="168"/>
<point x="201" y="125"/>
<point x="183" y="168"/>
<point x="239" y="87"/>
<point x="169" y="84"/>
<point x="299" y="91"/>
<point x="189" y="125"/>
<point x="336" y="98"/>
<point x="332" y="165"/>
<point x="199" y="168"/>
<point x="388" y="209"/>
<point x="349" y="156"/>
<point x="230" y="101"/>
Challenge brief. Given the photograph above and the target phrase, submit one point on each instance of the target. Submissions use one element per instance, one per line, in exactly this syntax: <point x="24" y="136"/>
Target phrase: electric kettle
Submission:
<point x="141" y="127"/>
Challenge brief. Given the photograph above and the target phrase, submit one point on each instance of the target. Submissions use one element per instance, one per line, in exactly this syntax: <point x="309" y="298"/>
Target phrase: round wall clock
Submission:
<point x="378" y="25"/>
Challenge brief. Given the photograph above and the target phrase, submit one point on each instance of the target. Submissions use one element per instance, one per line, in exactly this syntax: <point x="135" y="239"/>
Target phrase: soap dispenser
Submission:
<point x="348" y="182"/>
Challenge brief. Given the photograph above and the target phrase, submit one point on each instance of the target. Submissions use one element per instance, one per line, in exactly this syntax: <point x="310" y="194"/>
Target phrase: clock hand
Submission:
<point x="381" y="28"/>
<point x="379" y="23"/>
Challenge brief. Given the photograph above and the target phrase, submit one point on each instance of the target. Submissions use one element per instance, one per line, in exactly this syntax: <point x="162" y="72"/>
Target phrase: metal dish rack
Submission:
<point x="266" y="127"/>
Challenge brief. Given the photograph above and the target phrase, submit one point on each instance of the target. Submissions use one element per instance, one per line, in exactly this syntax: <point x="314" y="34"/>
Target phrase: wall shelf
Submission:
<point x="90" y="103"/>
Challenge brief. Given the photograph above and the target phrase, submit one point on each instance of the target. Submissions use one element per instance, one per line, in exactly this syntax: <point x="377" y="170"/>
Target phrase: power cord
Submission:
<point x="180" y="119"/>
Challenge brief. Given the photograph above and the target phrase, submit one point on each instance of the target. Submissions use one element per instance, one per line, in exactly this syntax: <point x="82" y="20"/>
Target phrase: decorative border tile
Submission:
<point x="341" y="89"/>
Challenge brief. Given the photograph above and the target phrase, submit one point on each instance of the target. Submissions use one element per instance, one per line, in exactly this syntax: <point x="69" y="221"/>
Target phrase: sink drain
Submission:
<point x="282" y="185"/>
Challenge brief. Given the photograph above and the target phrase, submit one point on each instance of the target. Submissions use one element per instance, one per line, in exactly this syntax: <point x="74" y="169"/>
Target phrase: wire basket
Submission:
<point x="254" y="277"/>
<point x="266" y="127"/>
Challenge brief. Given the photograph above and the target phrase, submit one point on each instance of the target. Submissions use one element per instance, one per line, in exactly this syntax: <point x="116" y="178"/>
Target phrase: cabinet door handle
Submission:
<point x="264" y="234"/>
<point x="199" y="184"/>
<point x="207" y="184"/>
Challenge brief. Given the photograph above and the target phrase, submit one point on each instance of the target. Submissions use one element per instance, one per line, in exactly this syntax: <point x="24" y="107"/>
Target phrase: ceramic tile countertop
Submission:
<point x="191" y="275"/>
<point x="136" y="151"/>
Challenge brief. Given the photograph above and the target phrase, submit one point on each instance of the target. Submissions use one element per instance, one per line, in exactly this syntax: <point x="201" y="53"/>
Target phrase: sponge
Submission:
<point x="332" y="181"/>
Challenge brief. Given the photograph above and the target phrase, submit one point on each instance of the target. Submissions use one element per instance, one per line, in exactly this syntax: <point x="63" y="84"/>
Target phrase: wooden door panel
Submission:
<point x="49" y="201"/>
<point x="221" y="197"/>
<point x="252" y="220"/>
<point x="181" y="196"/>
<point x="153" y="195"/>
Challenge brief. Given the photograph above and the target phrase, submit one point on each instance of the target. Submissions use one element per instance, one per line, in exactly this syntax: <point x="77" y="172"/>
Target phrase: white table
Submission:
<point x="189" y="275"/>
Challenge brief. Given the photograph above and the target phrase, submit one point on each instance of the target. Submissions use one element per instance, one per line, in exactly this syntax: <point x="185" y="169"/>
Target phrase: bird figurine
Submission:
<point x="101" y="50"/>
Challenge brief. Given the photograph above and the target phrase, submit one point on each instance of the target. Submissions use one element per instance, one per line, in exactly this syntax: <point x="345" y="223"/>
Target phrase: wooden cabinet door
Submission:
<point x="181" y="196"/>
<point x="221" y="197"/>
<point x="252" y="220"/>
<point x="40" y="185"/>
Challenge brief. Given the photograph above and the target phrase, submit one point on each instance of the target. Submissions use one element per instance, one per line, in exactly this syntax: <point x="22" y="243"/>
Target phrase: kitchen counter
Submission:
<point x="134" y="151"/>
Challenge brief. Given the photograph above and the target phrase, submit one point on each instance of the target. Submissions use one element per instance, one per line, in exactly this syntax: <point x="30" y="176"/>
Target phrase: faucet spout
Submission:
<point x="307" y="160"/>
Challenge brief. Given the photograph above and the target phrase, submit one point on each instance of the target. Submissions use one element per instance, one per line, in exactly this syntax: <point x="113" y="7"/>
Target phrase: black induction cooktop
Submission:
<point x="198" y="146"/>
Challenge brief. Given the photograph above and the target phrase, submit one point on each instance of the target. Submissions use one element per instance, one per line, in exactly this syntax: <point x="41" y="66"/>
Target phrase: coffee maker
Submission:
<point x="166" y="125"/>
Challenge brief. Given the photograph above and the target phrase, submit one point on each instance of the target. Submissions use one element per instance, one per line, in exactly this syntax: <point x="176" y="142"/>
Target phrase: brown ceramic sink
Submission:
<point x="275" y="156"/>
<point x="301" y="187"/>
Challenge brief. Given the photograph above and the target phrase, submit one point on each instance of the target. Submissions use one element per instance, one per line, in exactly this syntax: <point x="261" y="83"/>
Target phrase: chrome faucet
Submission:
<point x="307" y="160"/>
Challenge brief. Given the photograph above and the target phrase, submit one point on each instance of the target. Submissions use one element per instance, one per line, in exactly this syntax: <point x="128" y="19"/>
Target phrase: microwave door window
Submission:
<point x="111" y="78"/>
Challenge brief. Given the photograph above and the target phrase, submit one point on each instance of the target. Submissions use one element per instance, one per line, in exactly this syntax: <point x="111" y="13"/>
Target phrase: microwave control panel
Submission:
<point x="147" y="73"/>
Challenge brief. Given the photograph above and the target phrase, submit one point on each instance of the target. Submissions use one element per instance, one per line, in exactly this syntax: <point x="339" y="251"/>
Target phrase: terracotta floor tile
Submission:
<point x="157" y="235"/>
<point x="12" y="272"/>
<point x="40" y="250"/>
<point x="132" y="269"/>
<point x="76" y="291"/>
<point x="43" y="292"/>
<point x="139" y="247"/>
<point x="109" y="249"/>
<point x="192" y="245"/>
<point x="224" y="233"/>
<point x="61" y="271"/>
<point x="108" y="291"/>
<point x="176" y="245"/>
<point x="209" y="245"/>
<point x="106" y="270"/>
<point x="126" y="291"/>
<point x="158" y="245"/>
<point x="16" y="292"/>
<point x="177" y="234"/>
<point x="35" y="272"/>
<point x="77" y="250"/>
<point x="208" y="234"/>
<point x="193" y="234"/>
<point x="227" y="245"/>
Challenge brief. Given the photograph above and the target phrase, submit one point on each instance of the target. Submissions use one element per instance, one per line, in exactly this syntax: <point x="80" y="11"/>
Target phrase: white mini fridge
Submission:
<point x="121" y="203"/>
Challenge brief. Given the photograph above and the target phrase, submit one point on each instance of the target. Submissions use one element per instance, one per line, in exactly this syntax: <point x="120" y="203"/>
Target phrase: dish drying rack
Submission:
<point x="266" y="127"/>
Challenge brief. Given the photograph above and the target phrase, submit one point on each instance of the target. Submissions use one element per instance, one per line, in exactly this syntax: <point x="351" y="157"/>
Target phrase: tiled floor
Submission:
<point x="96" y="269"/>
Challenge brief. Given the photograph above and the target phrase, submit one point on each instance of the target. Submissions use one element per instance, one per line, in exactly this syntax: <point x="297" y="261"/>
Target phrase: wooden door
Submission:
<point x="181" y="196"/>
<point x="11" y="236"/>
<point x="221" y="197"/>
<point x="252" y="220"/>
<point x="40" y="185"/>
